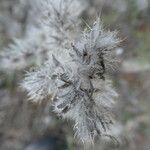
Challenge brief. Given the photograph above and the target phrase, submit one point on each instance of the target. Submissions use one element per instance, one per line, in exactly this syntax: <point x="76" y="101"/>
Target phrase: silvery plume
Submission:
<point x="51" y="29"/>
<point x="40" y="83"/>
<point x="62" y="19"/>
<point x="25" y="52"/>
<point x="88" y="96"/>
<point x="77" y="83"/>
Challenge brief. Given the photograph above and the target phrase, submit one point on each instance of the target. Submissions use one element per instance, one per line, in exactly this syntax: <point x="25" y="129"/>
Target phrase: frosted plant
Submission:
<point x="22" y="53"/>
<point x="62" y="19"/>
<point x="40" y="83"/>
<point x="53" y="29"/>
<point x="76" y="81"/>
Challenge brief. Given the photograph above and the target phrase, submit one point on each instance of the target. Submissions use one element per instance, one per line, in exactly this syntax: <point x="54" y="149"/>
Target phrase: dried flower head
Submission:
<point x="77" y="80"/>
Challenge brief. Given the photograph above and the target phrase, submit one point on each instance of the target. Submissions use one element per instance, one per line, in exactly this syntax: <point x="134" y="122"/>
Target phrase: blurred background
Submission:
<point x="28" y="126"/>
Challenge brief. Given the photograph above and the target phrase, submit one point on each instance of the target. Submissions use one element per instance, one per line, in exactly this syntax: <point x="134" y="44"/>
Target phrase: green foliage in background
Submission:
<point x="143" y="48"/>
